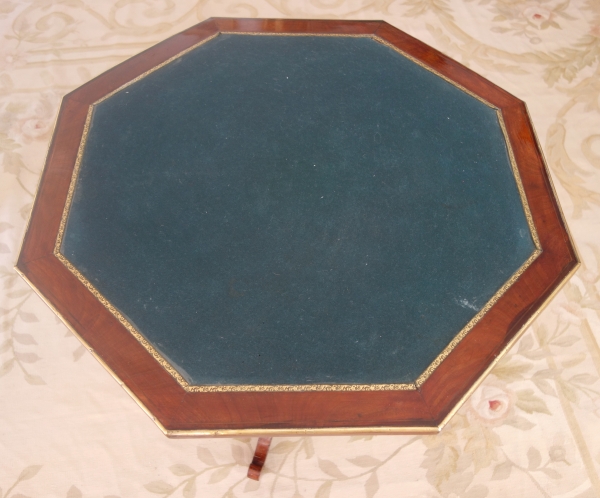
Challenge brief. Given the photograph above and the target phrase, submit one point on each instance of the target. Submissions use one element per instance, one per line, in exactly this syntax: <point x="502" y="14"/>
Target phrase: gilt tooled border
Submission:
<point x="293" y="387"/>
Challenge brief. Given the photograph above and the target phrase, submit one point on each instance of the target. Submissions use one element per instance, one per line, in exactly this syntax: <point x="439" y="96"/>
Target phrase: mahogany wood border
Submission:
<point x="224" y="413"/>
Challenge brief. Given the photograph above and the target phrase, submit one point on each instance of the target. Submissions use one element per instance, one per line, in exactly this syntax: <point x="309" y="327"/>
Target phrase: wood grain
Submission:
<point x="260" y="455"/>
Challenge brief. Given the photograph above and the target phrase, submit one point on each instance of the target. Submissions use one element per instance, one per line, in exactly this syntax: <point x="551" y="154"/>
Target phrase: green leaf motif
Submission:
<point x="18" y="293"/>
<point x="511" y="372"/>
<point x="283" y="447"/>
<point x="9" y="283"/>
<point x="159" y="487"/>
<point x="181" y="469"/>
<point x="13" y="163"/>
<point x="567" y="390"/>
<point x="26" y="339"/>
<point x="360" y="438"/>
<point x="206" y="457"/>
<point x="6" y="366"/>
<point x="7" y="143"/>
<point x="309" y="449"/>
<point x="478" y="491"/>
<point x="441" y="462"/>
<point x="534" y="458"/>
<point x="502" y="471"/>
<point x="34" y="380"/>
<point x="583" y="378"/>
<point x="331" y="468"/>
<point x="566" y="341"/>
<point x="220" y="474"/>
<point x="74" y="492"/>
<point x="553" y="474"/>
<point x="25" y="210"/>
<point x="79" y="352"/>
<point x="6" y="81"/>
<point x="324" y="490"/>
<point x="571" y="290"/>
<point x="576" y="360"/>
<point x="372" y="485"/>
<point x="525" y="344"/>
<point x="530" y="403"/>
<point x="4" y="347"/>
<point x="520" y="423"/>
<point x="546" y="373"/>
<point x="29" y="472"/>
<point x="28" y="317"/>
<point x="365" y="461"/>
<point x="189" y="491"/>
<point x="251" y="485"/>
<point x="239" y="455"/>
<point x="27" y="357"/>
<point x="544" y="386"/>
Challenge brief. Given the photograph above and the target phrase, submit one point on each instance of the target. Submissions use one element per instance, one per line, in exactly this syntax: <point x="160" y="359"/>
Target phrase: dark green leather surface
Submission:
<point x="283" y="210"/>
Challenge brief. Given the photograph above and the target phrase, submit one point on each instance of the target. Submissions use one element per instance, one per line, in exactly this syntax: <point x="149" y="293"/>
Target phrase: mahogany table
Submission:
<point x="295" y="227"/>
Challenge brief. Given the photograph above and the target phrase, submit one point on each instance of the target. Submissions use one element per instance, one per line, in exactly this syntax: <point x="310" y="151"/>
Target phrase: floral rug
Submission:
<point x="531" y="429"/>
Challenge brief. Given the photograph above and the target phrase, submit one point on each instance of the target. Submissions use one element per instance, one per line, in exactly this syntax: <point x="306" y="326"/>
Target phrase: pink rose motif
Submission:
<point x="39" y="118"/>
<point x="491" y="405"/>
<point x="11" y="57"/>
<point x="537" y="15"/>
<point x="35" y="128"/>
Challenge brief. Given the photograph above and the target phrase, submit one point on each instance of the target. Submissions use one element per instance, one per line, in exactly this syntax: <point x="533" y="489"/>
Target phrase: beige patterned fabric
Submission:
<point x="532" y="429"/>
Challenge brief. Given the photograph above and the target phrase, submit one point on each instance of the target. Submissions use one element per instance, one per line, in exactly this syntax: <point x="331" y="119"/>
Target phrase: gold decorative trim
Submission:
<point x="39" y="182"/>
<point x="549" y="175"/>
<point x="325" y="431"/>
<point x="558" y="288"/>
<point x="321" y="431"/>
<point x="329" y="35"/>
<point x="520" y="188"/>
<point x="507" y="347"/>
<point x="295" y="387"/>
<point x="74" y="175"/>
<point x="461" y="335"/>
<point x="155" y="68"/>
<point x="431" y="70"/>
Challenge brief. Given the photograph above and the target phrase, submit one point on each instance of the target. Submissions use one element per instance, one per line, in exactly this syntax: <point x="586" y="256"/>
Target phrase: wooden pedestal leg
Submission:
<point x="260" y="455"/>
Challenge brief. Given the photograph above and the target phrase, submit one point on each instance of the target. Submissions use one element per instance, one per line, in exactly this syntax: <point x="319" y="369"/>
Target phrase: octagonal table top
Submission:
<point x="296" y="210"/>
<point x="316" y="209"/>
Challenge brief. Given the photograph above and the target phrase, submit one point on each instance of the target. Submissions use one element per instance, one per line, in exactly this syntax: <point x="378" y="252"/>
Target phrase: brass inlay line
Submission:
<point x="461" y="335"/>
<point x="554" y="193"/>
<point x="431" y="70"/>
<point x="509" y="345"/>
<point x="295" y="387"/>
<point x="307" y="431"/>
<point x="513" y="163"/>
<point x="329" y="35"/>
<point x="155" y="68"/>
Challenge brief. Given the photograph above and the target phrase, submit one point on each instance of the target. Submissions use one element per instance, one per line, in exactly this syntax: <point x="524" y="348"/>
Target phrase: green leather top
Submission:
<point x="296" y="209"/>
